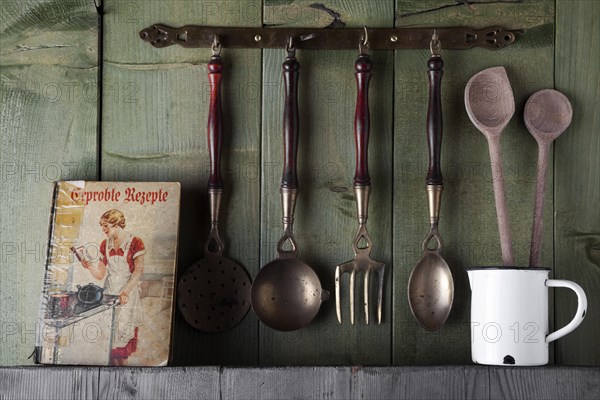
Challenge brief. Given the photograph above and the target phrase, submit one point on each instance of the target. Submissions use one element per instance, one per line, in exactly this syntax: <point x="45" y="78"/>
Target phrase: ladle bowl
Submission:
<point x="287" y="294"/>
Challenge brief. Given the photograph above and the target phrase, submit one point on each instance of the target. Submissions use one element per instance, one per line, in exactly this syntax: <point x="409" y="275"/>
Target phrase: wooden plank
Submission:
<point x="510" y="14"/>
<point x="468" y="216"/>
<point x="325" y="223"/>
<point x="159" y="383"/>
<point x="48" y="383"/>
<point x="286" y="383"/>
<point x="544" y="383"/>
<point x="48" y="91"/>
<point x="154" y="128"/>
<point x="577" y="185"/>
<point x="452" y="382"/>
<point x="455" y="382"/>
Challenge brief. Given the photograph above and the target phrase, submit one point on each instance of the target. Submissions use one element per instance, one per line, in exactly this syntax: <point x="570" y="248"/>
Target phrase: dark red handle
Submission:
<point x="435" y="67"/>
<point x="215" y="122"/>
<point x="363" y="67"/>
<point x="291" y="68"/>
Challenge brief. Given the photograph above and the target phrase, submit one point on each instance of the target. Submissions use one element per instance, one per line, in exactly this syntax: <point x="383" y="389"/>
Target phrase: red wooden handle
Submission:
<point x="215" y="122"/>
<point x="289" y="179"/>
<point x="363" y="67"/>
<point x="435" y="71"/>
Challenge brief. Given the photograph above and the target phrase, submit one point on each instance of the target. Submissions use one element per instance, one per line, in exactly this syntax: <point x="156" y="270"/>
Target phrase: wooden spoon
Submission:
<point x="547" y="115"/>
<point x="490" y="104"/>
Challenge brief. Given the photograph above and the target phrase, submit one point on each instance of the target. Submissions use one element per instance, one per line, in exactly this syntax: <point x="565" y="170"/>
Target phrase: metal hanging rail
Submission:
<point x="193" y="36"/>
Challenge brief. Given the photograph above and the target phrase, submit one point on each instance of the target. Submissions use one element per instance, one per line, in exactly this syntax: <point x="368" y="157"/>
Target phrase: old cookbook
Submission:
<point x="110" y="274"/>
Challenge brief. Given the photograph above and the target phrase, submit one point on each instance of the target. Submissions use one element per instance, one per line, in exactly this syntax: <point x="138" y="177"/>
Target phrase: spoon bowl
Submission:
<point x="431" y="291"/>
<point x="547" y="115"/>
<point x="489" y="101"/>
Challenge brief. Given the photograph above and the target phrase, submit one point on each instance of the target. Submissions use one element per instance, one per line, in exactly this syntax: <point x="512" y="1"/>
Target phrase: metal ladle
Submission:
<point x="547" y="115"/>
<point x="287" y="294"/>
<point x="430" y="286"/>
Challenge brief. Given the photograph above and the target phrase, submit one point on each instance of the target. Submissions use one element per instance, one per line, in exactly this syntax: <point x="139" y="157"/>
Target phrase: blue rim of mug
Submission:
<point x="508" y="268"/>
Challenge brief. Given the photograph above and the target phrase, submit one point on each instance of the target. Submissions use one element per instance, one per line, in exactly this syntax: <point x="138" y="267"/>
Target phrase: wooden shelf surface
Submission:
<point x="351" y="382"/>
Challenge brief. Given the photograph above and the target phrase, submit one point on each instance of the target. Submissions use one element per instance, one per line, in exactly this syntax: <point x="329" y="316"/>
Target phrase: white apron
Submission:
<point x="130" y="315"/>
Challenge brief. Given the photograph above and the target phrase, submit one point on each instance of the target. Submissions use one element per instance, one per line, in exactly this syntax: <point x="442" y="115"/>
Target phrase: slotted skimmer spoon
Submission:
<point x="214" y="294"/>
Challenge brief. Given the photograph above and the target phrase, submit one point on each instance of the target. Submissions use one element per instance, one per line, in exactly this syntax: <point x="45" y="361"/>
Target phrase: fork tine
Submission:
<point x="338" y="307"/>
<point x="352" y="287"/>
<point x="366" y="294"/>
<point x="380" y="279"/>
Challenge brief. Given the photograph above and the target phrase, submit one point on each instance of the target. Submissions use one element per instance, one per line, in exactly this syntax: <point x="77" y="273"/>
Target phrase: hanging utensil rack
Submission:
<point x="192" y="36"/>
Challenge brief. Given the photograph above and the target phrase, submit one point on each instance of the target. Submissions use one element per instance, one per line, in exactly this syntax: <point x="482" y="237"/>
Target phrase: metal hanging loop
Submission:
<point x="290" y="48"/>
<point x="435" y="46"/>
<point x="216" y="46"/>
<point x="363" y="44"/>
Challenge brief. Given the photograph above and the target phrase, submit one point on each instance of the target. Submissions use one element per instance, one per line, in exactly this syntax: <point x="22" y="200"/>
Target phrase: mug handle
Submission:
<point x="581" y="308"/>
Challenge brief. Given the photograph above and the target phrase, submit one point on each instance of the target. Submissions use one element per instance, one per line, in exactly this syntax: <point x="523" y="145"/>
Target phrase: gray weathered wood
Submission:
<point x="282" y="383"/>
<point x="159" y="383"/>
<point x="455" y="382"/>
<point x="452" y="382"/>
<point x="577" y="185"/>
<point x="544" y="383"/>
<point x="49" y="383"/>
<point x="48" y="117"/>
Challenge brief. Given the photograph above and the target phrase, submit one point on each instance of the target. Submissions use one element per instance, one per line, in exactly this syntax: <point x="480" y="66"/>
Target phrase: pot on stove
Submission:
<point x="90" y="293"/>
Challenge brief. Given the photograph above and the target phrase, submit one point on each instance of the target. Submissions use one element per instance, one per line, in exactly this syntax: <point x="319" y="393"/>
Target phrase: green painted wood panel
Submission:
<point x="48" y="121"/>
<point x="154" y="128"/>
<point x="468" y="216"/>
<point x="325" y="223"/>
<point x="577" y="172"/>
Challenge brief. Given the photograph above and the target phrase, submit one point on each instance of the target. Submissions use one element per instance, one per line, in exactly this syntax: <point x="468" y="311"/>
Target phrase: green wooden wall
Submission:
<point x="77" y="107"/>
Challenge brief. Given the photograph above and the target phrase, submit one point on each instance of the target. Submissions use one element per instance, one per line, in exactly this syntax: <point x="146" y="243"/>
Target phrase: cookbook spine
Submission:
<point x="44" y="295"/>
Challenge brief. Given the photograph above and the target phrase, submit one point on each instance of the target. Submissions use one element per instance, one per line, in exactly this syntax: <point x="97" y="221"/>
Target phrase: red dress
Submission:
<point x="120" y="267"/>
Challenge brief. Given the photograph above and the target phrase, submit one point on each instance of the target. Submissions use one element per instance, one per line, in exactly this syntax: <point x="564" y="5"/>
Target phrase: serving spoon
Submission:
<point x="430" y="286"/>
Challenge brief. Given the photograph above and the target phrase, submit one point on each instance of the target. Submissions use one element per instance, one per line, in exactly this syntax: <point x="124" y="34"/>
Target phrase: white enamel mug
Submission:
<point x="509" y="314"/>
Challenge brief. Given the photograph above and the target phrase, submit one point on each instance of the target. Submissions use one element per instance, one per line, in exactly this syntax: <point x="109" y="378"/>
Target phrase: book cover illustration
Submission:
<point x="110" y="274"/>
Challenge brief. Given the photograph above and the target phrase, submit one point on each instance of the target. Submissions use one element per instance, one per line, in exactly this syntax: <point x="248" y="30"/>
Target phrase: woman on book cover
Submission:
<point x="122" y="264"/>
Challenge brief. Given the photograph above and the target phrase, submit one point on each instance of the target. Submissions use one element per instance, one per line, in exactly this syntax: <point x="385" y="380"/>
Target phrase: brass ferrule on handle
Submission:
<point x="362" y="203"/>
<point x="434" y="199"/>
<point x="288" y="206"/>
<point x="214" y="198"/>
<point x="214" y="245"/>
